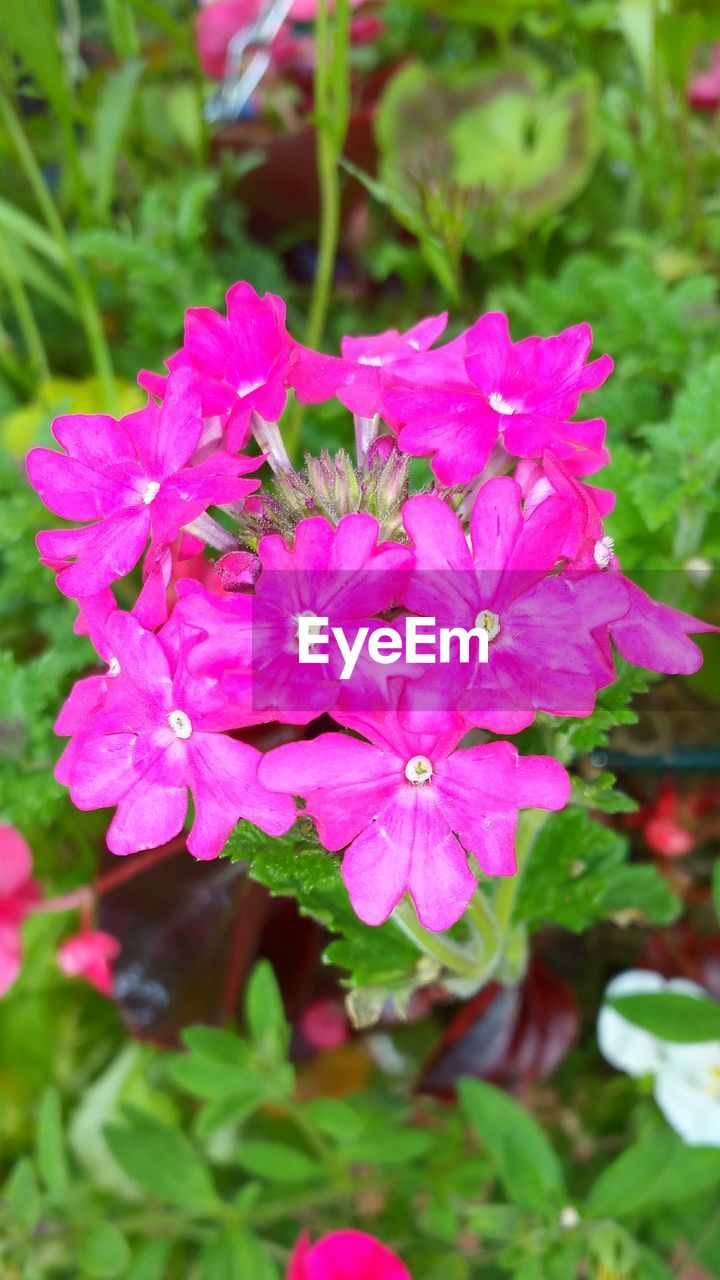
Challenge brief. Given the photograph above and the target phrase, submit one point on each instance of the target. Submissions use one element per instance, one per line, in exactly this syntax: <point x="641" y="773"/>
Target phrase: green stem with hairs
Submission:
<point x="435" y="945"/>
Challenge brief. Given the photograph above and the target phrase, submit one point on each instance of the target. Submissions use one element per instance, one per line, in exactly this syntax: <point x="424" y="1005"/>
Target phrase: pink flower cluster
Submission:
<point x="87" y="954"/>
<point x="509" y="539"/>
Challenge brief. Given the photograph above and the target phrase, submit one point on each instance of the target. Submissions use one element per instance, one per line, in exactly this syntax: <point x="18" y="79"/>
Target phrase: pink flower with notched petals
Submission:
<point x="245" y="361"/>
<point x="89" y="955"/>
<point x="361" y="377"/>
<point x="345" y="1255"/>
<point x="458" y="401"/>
<point x="19" y="893"/>
<point x="542" y="650"/>
<point x="157" y="735"/>
<point x="341" y="573"/>
<point x="410" y="806"/>
<point x="132" y="479"/>
<point x="646" y="633"/>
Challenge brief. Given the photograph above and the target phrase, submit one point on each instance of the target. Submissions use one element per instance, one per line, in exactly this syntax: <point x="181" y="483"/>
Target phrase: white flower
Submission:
<point x="687" y="1076"/>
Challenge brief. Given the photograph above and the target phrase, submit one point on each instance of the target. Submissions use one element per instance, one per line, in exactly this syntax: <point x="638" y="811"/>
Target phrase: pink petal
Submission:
<point x="10" y="956"/>
<point x="349" y="1255"/>
<point x="73" y="489"/>
<point x="146" y="817"/>
<point x="225" y="787"/>
<point x="343" y="780"/>
<point x="15" y="861"/>
<point x="111" y="549"/>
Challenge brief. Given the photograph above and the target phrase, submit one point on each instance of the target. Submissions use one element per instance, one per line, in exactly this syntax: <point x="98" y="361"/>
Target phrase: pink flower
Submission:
<point x="156" y="736"/>
<point x="245" y="361"/>
<point x="704" y="89"/>
<point x="324" y="1025"/>
<point x="345" y="1255"/>
<point x="89" y="955"/>
<point x="542" y="650"/>
<point x="132" y="480"/>
<point x="341" y="573"/>
<point x="646" y="633"/>
<point x="19" y="893"/>
<point x="459" y="400"/>
<point x="362" y="376"/>
<point x="411" y="807"/>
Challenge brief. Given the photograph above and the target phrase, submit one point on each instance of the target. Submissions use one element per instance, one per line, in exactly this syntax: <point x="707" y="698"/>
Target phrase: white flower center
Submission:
<point x="180" y="724"/>
<point x="113" y="667"/>
<point x="418" y="770"/>
<point x="374" y="361"/>
<point x="602" y="552"/>
<point x="150" y="492"/>
<point x="568" y="1218"/>
<point x="488" y="621"/>
<point x="500" y="404"/>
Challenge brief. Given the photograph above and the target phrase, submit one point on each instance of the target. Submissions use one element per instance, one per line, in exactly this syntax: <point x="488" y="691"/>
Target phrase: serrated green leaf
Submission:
<point x="601" y="793"/>
<point x="671" y="1015"/>
<point x="526" y="1164"/>
<point x="576" y="874"/>
<point x="290" y="866"/>
<point x="162" y="1161"/>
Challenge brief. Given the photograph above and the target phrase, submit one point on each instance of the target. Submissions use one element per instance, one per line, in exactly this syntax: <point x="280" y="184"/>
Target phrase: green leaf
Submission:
<point x="658" y="1170"/>
<point x="577" y="874"/>
<point x="51" y="1157"/>
<point x="577" y="737"/>
<point x="103" y="1251"/>
<point x="526" y="1164"/>
<point x="235" y="1255"/>
<point x="334" y="1117"/>
<point x="601" y="793"/>
<point x="380" y="956"/>
<point x="162" y="1161"/>
<point x="151" y="1262"/>
<point x="671" y="1015"/>
<point x="485" y="153"/>
<point x="111" y="119"/>
<point x="22" y="1194"/>
<point x="278" y="1163"/>
<point x="265" y="1014"/>
<point x="404" y="1146"/>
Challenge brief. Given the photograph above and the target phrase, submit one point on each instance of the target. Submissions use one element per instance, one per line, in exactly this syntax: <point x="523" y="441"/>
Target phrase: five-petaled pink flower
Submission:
<point x="89" y="955"/>
<point x="409" y="806"/>
<point x="646" y="632"/>
<point x="245" y="361"/>
<point x="19" y="893"/>
<point x="543" y="654"/>
<point x="156" y="736"/>
<point x="456" y="402"/>
<point x="345" y="1255"/>
<point x="131" y="479"/>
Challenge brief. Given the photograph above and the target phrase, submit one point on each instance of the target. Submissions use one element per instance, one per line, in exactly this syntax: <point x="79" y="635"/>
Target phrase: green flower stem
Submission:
<point x="531" y="821"/>
<point x="24" y="313"/>
<point x="435" y="945"/>
<point x="483" y="918"/>
<point x="88" y="309"/>
<point x="332" y="116"/>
